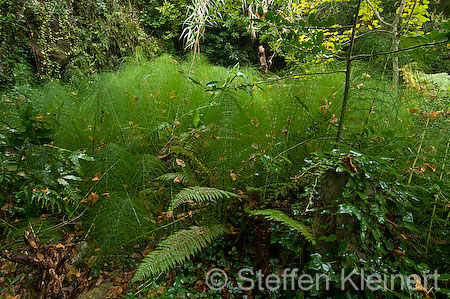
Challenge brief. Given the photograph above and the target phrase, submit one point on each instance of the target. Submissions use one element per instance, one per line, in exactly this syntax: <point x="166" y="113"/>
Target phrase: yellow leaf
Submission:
<point x="59" y="245"/>
<point x="370" y="27"/>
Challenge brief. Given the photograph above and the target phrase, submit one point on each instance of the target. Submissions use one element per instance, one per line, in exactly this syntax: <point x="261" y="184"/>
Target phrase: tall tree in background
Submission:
<point x="408" y="19"/>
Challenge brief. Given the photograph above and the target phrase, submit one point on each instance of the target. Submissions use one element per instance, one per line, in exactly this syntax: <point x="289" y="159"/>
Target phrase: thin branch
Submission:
<point x="361" y="56"/>
<point x="347" y="75"/>
<point x="7" y="223"/>
<point x="365" y="33"/>
<point x="270" y="80"/>
<point x="378" y="15"/>
<point x="295" y="77"/>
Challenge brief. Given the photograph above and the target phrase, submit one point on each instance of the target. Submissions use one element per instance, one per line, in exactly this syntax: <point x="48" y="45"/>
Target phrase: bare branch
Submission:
<point x="347" y="76"/>
<point x="361" y="56"/>
<point x="377" y="14"/>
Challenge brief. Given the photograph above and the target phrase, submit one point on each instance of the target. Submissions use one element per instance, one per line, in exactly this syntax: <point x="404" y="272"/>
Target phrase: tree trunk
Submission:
<point x="396" y="42"/>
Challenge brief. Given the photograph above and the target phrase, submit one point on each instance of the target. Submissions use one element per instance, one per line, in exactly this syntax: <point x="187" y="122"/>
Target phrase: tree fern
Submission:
<point x="176" y="249"/>
<point x="199" y="195"/>
<point x="286" y="220"/>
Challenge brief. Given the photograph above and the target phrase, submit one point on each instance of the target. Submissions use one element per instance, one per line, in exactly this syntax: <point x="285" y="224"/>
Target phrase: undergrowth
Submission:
<point x="156" y="126"/>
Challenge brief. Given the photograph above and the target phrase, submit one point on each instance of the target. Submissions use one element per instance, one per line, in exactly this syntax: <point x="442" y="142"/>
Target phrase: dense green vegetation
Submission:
<point x="163" y="166"/>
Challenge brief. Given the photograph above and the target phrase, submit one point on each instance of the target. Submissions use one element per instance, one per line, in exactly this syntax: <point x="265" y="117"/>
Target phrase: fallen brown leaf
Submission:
<point x="180" y="162"/>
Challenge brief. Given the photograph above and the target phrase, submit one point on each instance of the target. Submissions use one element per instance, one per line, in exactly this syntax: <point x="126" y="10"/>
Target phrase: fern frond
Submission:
<point x="199" y="195"/>
<point x="172" y="176"/>
<point x="286" y="220"/>
<point x="194" y="139"/>
<point x="176" y="249"/>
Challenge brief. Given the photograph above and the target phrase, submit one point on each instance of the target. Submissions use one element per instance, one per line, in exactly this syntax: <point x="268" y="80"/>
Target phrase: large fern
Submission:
<point x="176" y="249"/>
<point x="199" y="195"/>
<point x="286" y="220"/>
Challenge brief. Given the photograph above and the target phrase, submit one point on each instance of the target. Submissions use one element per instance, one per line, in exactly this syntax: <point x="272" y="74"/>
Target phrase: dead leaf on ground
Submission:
<point x="93" y="198"/>
<point x="7" y="206"/>
<point x="180" y="162"/>
<point x="8" y="267"/>
<point x="432" y="167"/>
<point x="114" y="291"/>
<point x="233" y="176"/>
<point x="40" y="256"/>
<point x="91" y="261"/>
<point x="74" y="272"/>
<point x="136" y="256"/>
<point x="9" y="296"/>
